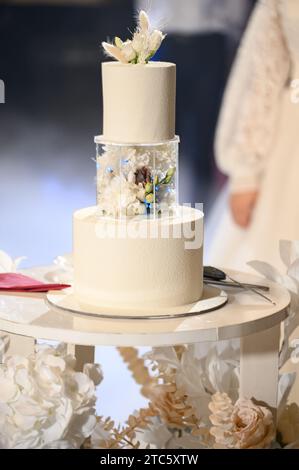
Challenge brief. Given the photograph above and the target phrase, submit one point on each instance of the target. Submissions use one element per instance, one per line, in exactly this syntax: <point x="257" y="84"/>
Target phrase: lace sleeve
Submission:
<point x="248" y="114"/>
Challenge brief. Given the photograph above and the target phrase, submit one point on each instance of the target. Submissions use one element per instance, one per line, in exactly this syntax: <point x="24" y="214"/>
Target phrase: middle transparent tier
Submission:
<point x="137" y="180"/>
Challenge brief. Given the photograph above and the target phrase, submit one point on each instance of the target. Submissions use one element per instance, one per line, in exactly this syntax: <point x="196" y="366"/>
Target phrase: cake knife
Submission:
<point x="233" y="284"/>
<point x="214" y="274"/>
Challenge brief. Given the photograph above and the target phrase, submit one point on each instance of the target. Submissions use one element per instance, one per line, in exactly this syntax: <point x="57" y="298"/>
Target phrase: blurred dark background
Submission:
<point x="50" y="62"/>
<point x="50" y="58"/>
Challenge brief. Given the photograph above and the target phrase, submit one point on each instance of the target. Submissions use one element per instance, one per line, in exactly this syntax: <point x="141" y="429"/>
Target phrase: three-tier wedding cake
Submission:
<point x="137" y="249"/>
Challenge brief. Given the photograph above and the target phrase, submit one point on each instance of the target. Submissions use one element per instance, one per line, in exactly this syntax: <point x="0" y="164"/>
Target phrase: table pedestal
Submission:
<point x="259" y="366"/>
<point x="83" y="355"/>
<point x="21" y="345"/>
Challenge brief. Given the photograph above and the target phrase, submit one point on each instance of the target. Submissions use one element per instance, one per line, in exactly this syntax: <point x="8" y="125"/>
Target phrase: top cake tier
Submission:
<point x="139" y="102"/>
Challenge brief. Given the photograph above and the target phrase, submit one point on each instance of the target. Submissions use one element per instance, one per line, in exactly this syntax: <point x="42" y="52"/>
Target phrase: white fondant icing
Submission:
<point x="139" y="102"/>
<point x="133" y="271"/>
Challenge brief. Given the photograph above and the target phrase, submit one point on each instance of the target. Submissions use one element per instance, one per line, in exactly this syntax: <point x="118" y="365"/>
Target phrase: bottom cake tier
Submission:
<point x="138" y="263"/>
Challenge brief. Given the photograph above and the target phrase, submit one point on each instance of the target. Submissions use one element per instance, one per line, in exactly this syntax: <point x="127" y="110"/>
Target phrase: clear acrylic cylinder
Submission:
<point x="137" y="179"/>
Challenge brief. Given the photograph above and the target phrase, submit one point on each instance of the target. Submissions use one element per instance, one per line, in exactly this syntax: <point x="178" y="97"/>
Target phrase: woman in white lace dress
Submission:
<point x="257" y="142"/>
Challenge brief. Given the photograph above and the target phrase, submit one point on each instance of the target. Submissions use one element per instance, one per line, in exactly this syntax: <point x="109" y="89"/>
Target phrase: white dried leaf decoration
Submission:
<point x="285" y="384"/>
<point x="115" y="52"/>
<point x="8" y="264"/>
<point x="144" y="23"/>
<point x="289" y="252"/>
<point x="141" y="48"/>
<point x="156" y="435"/>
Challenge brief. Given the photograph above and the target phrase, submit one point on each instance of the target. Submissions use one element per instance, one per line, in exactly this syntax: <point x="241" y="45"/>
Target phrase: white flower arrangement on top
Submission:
<point x="141" y="48"/>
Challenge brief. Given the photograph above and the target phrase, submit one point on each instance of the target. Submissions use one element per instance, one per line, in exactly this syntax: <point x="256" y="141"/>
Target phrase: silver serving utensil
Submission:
<point x="214" y="274"/>
<point x="252" y="289"/>
<point x="233" y="284"/>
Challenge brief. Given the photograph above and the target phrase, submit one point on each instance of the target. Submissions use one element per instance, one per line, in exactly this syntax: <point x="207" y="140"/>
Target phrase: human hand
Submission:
<point x="242" y="205"/>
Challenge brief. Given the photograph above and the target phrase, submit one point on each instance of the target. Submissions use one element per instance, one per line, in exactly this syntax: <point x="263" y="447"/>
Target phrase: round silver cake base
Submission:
<point x="212" y="299"/>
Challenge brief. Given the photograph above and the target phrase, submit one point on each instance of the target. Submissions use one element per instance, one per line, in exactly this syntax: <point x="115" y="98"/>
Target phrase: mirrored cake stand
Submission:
<point x="213" y="298"/>
<point x="27" y="318"/>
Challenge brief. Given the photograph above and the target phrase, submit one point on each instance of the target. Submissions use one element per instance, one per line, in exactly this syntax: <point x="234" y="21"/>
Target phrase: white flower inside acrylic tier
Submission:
<point x="136" y="180"/>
